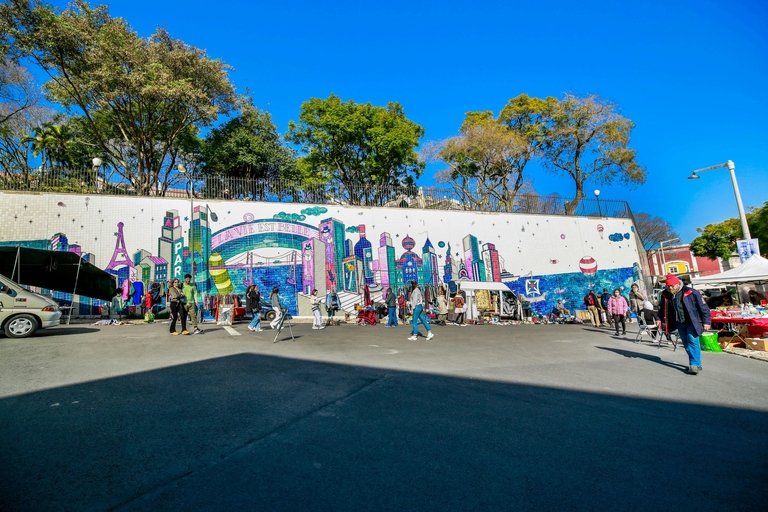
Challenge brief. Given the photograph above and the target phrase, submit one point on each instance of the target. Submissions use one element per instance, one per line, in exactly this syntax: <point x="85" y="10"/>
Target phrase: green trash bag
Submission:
<point x="708" y="342"/>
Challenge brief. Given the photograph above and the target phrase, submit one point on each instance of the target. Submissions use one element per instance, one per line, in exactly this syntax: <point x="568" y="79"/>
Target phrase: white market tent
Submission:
<point x="754" y="270"/>
<point x="480" y="285"/>
<point x="472" y="286"/>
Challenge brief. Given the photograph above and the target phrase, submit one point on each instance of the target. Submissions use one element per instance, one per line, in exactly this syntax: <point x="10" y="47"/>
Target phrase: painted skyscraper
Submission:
<point x="492" y="263"/>
<point x="387" y="265"/>
<point x="200" y="245"/>
<point x="170" y="245"/>
<point x="364" y="254"/>
<point x="430" y="272"/>
<point x="332" y="235"/>
<point x="472" y="259"/>
<point x="313" y="266"/>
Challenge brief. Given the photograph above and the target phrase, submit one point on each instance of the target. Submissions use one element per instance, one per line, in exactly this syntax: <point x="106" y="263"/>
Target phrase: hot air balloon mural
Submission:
<point x="600" y="230"/>
<point x="588" y="265"/>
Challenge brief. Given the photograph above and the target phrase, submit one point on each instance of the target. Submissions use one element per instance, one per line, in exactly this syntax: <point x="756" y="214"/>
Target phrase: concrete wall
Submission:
<point x="299" y="247"/>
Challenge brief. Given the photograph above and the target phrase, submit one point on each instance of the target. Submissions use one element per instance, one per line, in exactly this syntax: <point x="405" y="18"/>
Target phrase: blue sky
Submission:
<point x="691" y="75"/>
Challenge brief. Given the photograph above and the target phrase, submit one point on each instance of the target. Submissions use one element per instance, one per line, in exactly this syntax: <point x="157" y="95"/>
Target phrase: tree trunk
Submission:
<point x="570" y="206"/>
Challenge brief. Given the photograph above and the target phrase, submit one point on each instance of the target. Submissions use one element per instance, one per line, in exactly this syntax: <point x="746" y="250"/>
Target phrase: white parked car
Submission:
<point x="23" y="312"/>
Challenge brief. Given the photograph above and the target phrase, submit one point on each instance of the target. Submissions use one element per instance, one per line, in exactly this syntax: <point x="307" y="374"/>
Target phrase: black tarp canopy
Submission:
<point x="56" y="270"/>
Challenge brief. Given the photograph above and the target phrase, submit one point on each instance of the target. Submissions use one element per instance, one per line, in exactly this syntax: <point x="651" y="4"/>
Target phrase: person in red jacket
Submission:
<point x="683" y="308"/>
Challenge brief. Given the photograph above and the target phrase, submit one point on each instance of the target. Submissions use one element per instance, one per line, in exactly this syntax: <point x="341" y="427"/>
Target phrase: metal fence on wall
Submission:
<point x="288" y="191"/>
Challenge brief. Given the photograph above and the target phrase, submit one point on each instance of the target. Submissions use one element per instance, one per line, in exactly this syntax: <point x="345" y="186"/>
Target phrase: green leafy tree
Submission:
<point x="719" y="240"/>
<point x="589" y="140"/>
<point x="51" y="141"/>
<point x="365" y="154"/>
<point x="249" y="149"/>
<point x="139" y="94"/>
<point x="487" y="160"/>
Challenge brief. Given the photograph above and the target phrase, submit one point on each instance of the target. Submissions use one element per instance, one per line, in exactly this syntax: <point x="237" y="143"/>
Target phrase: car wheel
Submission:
<point x="21" y="326"/>
<point x="270" y="316"/>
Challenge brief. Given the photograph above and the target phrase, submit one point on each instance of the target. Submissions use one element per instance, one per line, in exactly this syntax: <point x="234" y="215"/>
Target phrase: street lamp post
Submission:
<point x="663" y="259"/>
<point x="96" y="164"/>
<point x="597" y="196"/>
<point x="183" y="171"/>
<point x="732" y="168"/>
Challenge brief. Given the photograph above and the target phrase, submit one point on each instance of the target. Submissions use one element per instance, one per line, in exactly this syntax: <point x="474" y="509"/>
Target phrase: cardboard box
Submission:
<point x="727" y="342"/>
<point x="757" y="344"/>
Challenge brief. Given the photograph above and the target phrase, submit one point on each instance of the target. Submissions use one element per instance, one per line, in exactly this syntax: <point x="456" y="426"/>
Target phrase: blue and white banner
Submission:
<point x="747" y="248"/>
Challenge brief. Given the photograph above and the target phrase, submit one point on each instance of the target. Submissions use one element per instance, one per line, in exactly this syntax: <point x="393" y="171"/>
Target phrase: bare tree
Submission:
<point x="653" y="230"/>
<point x="18" y="91"/>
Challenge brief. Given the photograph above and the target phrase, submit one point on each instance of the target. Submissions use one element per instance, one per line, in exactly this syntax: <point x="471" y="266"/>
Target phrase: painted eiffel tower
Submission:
<point x="120" y="256"/>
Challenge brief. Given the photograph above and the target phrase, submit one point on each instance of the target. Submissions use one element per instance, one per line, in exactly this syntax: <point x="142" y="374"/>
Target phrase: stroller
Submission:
<point x="367" y="317"/>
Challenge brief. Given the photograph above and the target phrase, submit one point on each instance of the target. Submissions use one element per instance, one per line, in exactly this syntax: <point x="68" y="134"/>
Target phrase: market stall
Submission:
<point x="490" y="301"/>
<point x="754" y="270"/>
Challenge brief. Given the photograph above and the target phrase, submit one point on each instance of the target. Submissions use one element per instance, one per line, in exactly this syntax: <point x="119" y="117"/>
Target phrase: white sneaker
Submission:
<point x="315" y="327"/>
<point x="321" y="327"/>
<point x="413" y="338"/>
<point x="251" y="328"/>
<point x="258" y="330"/>
<point x="430" y="335"/>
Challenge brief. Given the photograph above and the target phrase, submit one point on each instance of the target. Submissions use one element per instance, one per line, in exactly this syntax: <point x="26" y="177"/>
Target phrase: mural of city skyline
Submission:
<point x="299" y="252"/>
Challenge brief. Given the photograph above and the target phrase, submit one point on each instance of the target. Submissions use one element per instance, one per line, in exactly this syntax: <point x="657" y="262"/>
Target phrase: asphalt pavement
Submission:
<point x="528" y="417"/>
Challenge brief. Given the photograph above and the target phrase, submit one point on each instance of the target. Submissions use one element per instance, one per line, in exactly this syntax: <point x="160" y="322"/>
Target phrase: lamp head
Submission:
<point x="181" y="169"/>
<point x="597" y="193"/>
<point x="694" y="176"/>
<point x="96" y="162"/>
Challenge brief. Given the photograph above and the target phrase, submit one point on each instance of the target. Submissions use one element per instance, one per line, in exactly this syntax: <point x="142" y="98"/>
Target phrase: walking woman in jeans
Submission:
<point x="253" y="301"/>
<point x="176" y="298"/>
<point x="417" y="306"/>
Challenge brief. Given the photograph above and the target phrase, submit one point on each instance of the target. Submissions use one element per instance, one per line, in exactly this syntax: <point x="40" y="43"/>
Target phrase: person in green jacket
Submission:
<point x="190" y="306"/>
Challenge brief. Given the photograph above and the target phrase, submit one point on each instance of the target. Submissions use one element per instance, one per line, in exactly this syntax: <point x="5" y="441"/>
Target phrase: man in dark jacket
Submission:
<point x="683" y="308"/>
<point x="604" y="298"/>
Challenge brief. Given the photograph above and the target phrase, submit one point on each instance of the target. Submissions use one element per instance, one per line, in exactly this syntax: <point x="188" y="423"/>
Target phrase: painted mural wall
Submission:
<point x="301" y="247"/>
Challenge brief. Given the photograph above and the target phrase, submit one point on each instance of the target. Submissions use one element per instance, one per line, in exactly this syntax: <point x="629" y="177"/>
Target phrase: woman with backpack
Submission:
<point x="274" y="298"/>
<point x="176" y="298"/>
<point x="401" y="306"/>
<point x="314" y="301"/>
<point x="253" y="303"/>
<point x="331" y="305"/>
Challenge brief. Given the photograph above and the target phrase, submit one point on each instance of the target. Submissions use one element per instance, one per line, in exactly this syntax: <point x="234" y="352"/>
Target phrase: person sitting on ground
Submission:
<point x="560" y="307"/>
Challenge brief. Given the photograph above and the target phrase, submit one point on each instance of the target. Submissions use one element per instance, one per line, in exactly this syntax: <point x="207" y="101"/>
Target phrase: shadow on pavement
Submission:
<point x="638" y="355"/>
<point x="54" y="331"/>
<point x="255" y="432"/>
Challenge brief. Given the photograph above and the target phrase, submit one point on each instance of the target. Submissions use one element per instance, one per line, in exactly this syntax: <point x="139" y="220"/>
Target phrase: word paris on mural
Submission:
<point x="299" y="248"/>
